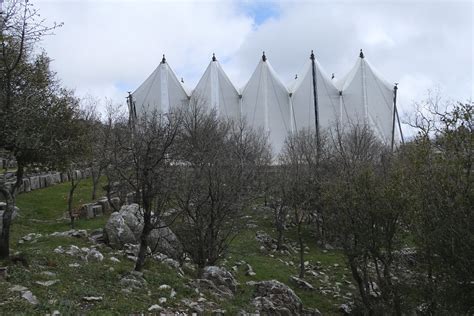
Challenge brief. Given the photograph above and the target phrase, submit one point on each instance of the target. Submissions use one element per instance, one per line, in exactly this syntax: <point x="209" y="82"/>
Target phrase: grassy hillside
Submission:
<point x="43" y="211"/>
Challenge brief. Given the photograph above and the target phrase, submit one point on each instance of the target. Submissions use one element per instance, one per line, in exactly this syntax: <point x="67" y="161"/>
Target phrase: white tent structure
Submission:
<point x="313" y="92"/>
<point x="266" y="104"/>
<point x="215" y="89"/>
<point x="159" y="92"/>
<point x="368" y="99"/>
<point x="313" y="101"/>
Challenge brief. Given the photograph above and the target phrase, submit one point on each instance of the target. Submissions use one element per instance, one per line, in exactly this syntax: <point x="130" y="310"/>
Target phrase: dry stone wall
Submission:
<point x="37" y="181"/>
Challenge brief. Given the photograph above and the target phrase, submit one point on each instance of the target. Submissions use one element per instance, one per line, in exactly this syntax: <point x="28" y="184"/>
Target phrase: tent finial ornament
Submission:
<point x="214" y="57"/>
<point x="163" y="61"/>
<point x="332" y="76"/>
<point x="361" y="55"/>
<point x="264" y="58"/>
<point x="182" y="80"/>
<point x="312" y="55"/>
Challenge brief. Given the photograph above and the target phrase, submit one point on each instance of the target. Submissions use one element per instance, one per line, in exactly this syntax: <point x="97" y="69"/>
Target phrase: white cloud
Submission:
<point x="108" y="47"/>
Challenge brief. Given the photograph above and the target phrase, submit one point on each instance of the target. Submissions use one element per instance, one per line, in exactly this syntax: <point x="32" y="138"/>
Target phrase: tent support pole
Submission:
<point x="132" y="110"/>
<point x="395" y="88"/>
<point x="315" y="97"/>
<point x="400" y="126"/>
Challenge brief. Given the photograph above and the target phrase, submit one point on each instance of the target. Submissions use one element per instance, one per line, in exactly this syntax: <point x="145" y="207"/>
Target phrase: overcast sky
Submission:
<point x="107" y="48"/>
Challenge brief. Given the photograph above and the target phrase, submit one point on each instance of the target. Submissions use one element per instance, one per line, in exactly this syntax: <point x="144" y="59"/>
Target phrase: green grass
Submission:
<point x="44" y="211"/>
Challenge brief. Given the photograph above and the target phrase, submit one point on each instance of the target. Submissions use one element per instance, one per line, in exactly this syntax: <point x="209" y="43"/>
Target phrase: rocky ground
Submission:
<point x="56" y="270"/>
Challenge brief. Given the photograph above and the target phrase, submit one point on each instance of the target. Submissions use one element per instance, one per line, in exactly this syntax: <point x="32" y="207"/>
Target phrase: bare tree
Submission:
<point x="143" y="157"/>
<point x="281" y="211"/>
<point x="98" y="139"/>
<point x="365" y="209"/>
<point x="440" y="163"/>
<point x="29" y="99"/>
<point x="82" y="154"/>
<point x="299" y="184"/>
<point x="107" y="153"/>
<point x="217" y="167"/>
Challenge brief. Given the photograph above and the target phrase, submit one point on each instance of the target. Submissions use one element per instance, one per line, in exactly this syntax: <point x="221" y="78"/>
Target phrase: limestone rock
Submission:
<point x="30" y="237"/>
<point x="266" y="241"/>
<point x="125" y="227"/>
<point x="302" y="284"/>
<point x="48" y="274"/>
<point x="28" y="295"/>
<point x="94" y="255"/>
<point x="117" y="232"/>
<point x="250" y="271"/>
<point x="81" y="233"/>
<point x="155" y="308"/>
<point x="92" y="298"/>
<point x="133" y="281"/>
<point x="220" y="277"/>
<point x="216" y="281"/>
<point x="345" y="309"/>
<point x="18" y="288"/>
<point x="275" y="298"/>
<point x="97" y="236"/>
<point x="3" y="273"/>
<point x="47" y="283"/>
<point x="73" y="251"/>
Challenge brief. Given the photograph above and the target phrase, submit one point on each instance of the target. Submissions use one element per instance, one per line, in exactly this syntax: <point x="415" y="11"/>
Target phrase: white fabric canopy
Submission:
<point x="302" y="99"/>
<point x="367" y="99"/>
<point x="266" y="104"/>
<point x="217" y="91"/>
<point x="361" y="97"/>
<point x="159" y="92"/>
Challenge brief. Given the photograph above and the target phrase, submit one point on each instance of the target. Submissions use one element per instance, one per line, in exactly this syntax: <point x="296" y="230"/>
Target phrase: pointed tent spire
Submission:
<point x="160" y="91"/>
<point x="367" y="98"/>
<point x="266" y="104"/>
<point x="312" y="55"/>
<point x="214" y="57"/>
<point x="264" y="58"/>
<point x="215" y="90"/>
<point x="163" y="61"/>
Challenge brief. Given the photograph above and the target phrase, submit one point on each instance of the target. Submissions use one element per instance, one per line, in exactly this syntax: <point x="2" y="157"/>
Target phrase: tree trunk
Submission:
<point x="141" y="253"/>
<point x="108" y="194"/>
<point x="95" y="182"/>
<point x="300" y="241"/>
<point x="5" y="236"/>
<point x="94" y="189"/>
<point x="147" y="227"/>
<point x="7" y="214"/>
<point x="5" y="222"/>
<point x="280" y="218"/>
<point x="360" y="284"/>
<point x="19" y="179"/>
<point x="279" y="238"/>
<point x="70" y="198"/>
<point x="143" y="248"/>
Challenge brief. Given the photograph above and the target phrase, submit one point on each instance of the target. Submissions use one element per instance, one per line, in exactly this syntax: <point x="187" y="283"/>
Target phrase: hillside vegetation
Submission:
<point x="43" y="212"/>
